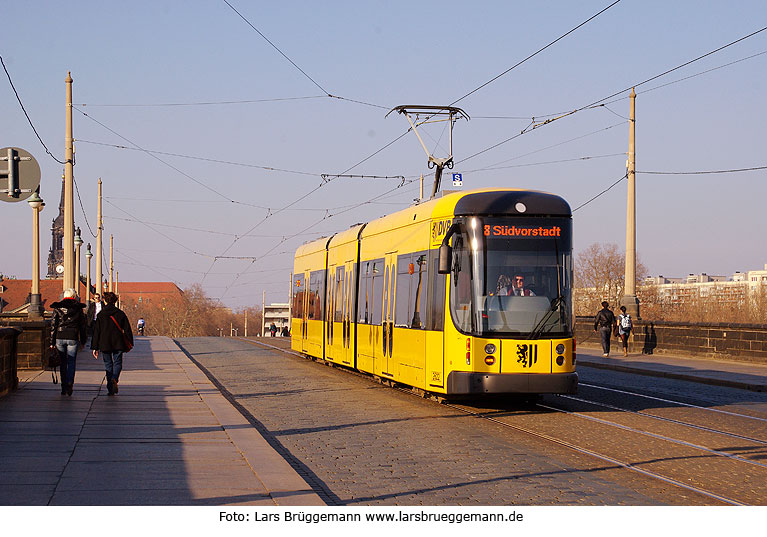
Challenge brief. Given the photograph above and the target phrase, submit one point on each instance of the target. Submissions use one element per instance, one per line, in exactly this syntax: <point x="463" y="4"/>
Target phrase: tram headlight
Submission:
<point x="489" y="348"/>
<point x="489" y="360"/>
<point x="560" y="349"/>
<point x="560" y="360"/>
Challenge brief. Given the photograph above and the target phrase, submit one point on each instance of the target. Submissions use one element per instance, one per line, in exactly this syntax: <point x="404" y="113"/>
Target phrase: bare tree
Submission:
<point x="599" y="275"/>
<point x="191" y="314"/>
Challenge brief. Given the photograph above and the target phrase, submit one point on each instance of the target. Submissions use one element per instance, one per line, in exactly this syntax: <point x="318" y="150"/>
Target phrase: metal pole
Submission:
<point x="290" y="302"/>
<point x="111" y="262"/>
<point x="88" y="256"/>
<point x="78" y="244"/>
<point x="630" y="299"/>
<point x="263" y="313"/>
<point x="35" y="251"/>
<point x="35" y="306"/>
<point x="99" y="252"/>
<point x="246" y="323"/>
<point x="69" y="200"/>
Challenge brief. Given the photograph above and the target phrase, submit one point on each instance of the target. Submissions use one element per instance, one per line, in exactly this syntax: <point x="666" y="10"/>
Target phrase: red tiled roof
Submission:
<point x="15" y="292"/>
<point x="148" y="292"/>
<point x="148" y="287"/>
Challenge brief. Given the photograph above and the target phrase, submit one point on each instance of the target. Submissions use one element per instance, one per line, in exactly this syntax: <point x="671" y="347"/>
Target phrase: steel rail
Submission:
<point x="480" y="415"/>
<point x="670" y="420"/>
<point x="654" y="435"/>
<point x="607" y="458"/>
<point x="672" y="401"/>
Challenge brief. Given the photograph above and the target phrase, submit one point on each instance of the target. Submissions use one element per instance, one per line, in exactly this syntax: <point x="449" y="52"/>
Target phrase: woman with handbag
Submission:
<point x="68" y="335"/>
<point x="112" y="336"/>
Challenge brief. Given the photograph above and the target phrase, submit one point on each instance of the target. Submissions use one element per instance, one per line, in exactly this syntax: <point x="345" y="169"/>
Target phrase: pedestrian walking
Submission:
<point x="94" y="307"/>
<point x="112" y="336"/>
<point x="625" y="325"/>
<point x="604" y="323"/>
<point x="273" y="329"/>
<point x="68" y="335"/>
<point x="140" y="326"/>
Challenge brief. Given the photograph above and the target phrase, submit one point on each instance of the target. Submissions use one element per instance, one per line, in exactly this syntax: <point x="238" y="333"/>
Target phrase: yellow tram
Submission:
<point x="469" y="293"/>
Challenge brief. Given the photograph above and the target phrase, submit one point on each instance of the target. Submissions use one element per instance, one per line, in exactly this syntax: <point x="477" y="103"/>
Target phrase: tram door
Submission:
<point x="303" y="291"/>
<point x="386" y="363"/>
<point x="330" y="311"/>
<point x="347" y="315"/>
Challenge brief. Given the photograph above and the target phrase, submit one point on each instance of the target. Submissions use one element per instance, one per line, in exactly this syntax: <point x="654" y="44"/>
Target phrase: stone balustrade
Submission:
<point x="732" y="341"/>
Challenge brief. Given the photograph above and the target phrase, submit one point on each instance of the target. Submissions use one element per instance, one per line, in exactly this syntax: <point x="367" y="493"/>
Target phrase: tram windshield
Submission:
<point x="513" y="276"/>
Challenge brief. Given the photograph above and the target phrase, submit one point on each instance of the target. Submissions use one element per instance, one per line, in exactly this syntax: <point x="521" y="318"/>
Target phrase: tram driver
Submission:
<point x="518" y="286"/>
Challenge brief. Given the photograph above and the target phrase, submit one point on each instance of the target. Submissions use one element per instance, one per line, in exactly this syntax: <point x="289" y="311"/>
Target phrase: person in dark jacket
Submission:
<point x="111" y="335"/>
<point x="68" y="335"/>
<point x="604" y="322"/>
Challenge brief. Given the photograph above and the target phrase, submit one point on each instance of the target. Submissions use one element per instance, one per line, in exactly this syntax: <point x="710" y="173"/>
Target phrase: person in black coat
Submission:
<point x="112" y="336"/>
<point x="604" y="323"/>
<point x="68" y="335"/>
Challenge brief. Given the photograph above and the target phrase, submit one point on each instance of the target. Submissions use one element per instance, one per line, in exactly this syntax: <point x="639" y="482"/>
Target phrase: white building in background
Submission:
<point x="736" y="289"/>
<point x="279" y="314"/>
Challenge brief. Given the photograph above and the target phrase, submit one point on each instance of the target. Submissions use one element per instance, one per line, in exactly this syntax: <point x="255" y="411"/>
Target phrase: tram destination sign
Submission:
<point x="523" y="232"/>
<point x="19" y="174"/>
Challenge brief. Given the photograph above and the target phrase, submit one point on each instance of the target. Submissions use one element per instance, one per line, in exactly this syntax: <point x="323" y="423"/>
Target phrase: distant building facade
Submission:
<point x="279" y="314"/>
<point x="735" y="290"/>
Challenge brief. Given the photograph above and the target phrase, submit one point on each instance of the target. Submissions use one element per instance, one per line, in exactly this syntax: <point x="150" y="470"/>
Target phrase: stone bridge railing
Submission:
<point x="33" y="340"/>
<point x="8" y="372"/>
<point x="746" y="342"/>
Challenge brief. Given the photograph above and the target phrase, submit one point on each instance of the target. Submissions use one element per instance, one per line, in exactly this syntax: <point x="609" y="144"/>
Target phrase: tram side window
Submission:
<point x="435" y="311"/>
<point x="298" y="296"/>
<point x="365" y="298"/>
<point x="460" y="290"/>
<point x="418" y="283"/>
<point x="351" y="279"/>
<point x="316" y="294"/>
<point x="402" y="302"/>
<point x="339" y="295"/>
<point x="376" y="295"/>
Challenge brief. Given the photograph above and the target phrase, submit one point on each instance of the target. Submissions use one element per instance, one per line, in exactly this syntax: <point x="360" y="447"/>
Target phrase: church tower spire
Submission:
<point x="56" y="253"/>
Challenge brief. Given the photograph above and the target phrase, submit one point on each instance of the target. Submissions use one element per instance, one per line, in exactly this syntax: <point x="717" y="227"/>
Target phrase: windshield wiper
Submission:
<point x="555" y="303"/>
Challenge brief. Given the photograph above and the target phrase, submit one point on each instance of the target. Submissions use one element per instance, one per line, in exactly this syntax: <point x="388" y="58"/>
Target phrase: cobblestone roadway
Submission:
<point x="359" y="443"/>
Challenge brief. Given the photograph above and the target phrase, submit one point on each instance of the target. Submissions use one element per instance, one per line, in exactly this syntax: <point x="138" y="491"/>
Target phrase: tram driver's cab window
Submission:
<point x="460" y="292"/>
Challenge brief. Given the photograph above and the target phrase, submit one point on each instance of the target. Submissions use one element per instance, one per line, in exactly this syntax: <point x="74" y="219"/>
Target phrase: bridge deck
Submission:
<point x="168" y="438"/>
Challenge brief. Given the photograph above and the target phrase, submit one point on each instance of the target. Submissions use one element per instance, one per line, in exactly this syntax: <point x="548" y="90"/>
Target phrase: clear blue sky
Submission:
<point x="384" y="54"/>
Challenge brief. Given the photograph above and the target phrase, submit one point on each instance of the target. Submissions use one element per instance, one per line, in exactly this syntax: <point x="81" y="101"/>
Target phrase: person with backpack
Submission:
<point x="625" y="325"/>
<point x="140" y="326"/>
<point x="68" y="335"/>
<point x="112" y="336"/>
<point x="604" y="322"/>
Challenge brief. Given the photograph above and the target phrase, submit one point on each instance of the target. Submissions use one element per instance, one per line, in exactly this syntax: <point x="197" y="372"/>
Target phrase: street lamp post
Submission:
<point x="78" y="243"/>
<point x="88" y="256"/>
<point x="629" y="298"/>
<point x="35" y="306"/>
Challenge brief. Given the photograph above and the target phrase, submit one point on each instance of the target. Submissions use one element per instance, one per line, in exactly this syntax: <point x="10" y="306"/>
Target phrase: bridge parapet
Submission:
<point x="8" y="373"/>
<point x="32" y="342"/>
<point x="732" y="341"/>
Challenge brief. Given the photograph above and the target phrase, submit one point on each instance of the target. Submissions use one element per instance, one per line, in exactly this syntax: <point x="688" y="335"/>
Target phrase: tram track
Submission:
<point x="669" y="420"/>
<point x="686" y="472"/>
<point x="663" y="458"/>
<point x="603" y="457"/>
<point x="671" y="401"/>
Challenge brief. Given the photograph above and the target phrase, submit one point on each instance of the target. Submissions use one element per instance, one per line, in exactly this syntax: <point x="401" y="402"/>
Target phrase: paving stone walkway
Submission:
<point x="168" y="438"/>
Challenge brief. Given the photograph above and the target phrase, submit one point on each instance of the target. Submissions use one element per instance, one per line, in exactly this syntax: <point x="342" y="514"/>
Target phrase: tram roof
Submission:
<point x="491" y="202"/>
